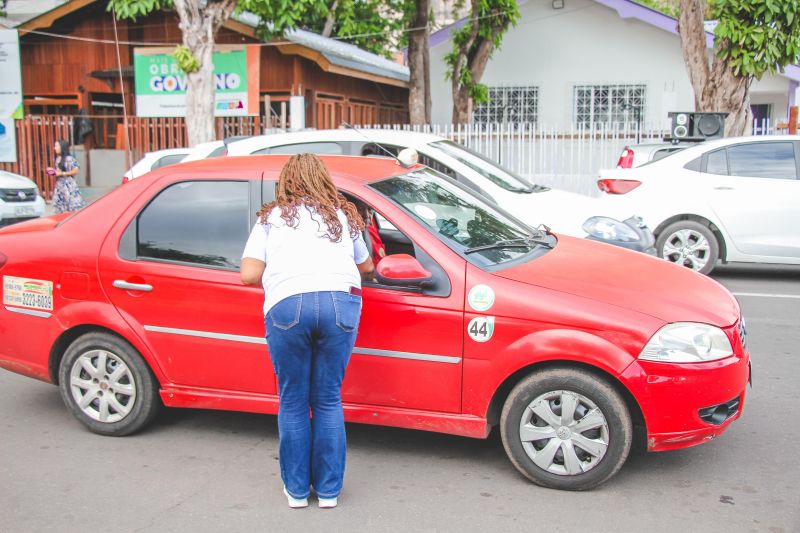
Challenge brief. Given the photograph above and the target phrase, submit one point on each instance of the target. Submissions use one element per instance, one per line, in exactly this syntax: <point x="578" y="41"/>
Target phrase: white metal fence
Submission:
<point x="565" y="158"/>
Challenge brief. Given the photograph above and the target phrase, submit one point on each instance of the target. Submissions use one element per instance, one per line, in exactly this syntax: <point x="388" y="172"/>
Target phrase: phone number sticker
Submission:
<point x="29" y="293"/>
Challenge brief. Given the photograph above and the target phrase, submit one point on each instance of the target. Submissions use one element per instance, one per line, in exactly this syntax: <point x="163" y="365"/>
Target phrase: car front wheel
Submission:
<point x="566" y="429"/>
<point x="107" y="385"/>
<point x="690" y="244"/>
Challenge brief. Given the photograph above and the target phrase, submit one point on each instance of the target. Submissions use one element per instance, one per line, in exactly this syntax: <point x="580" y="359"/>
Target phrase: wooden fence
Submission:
<point x="36" y="136"/>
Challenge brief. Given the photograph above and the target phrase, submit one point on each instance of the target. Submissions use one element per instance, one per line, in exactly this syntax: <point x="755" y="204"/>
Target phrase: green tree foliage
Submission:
<point x="369" y="24"/>
<point x="668" y="7"/>
<point x="756" y="37"/>
<point x="752" y="38"/>
<point x="133" y="9"/>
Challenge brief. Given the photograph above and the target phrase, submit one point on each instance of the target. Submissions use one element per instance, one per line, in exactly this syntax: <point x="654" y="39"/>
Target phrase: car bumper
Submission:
<point x="646" y="240"/>
<point x="687" y="404"/>
<point x="11" y="212"/>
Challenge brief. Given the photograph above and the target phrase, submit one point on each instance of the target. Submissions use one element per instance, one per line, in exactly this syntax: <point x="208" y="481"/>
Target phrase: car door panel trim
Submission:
<point x="260" y="340"/>
<point x="30" y="312"/>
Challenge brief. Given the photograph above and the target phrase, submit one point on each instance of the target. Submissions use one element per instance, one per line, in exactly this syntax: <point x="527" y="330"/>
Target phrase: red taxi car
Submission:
<point x="475" y="320"/>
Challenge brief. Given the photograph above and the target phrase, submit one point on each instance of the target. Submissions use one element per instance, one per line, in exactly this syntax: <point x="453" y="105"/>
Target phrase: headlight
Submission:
<point x="687" y="342"/>
<point x="609" y="229"/>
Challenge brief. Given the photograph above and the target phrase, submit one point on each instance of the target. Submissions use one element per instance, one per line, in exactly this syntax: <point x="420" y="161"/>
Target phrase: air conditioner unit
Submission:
<point x="695" y="127"/>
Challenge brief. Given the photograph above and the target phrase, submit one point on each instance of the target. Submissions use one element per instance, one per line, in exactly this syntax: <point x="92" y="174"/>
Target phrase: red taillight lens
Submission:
<point x="617" y="186"/>
<point x="125" y="179"/>
<point x="626" y="159"/>
<point x="3" y="259"/>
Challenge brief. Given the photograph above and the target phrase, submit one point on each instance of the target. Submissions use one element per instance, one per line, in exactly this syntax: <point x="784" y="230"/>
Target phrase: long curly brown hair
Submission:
<point x="305" y="181"/>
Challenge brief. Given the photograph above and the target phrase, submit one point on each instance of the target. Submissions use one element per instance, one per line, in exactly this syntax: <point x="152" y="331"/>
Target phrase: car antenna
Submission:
<point x="404" y="164"/>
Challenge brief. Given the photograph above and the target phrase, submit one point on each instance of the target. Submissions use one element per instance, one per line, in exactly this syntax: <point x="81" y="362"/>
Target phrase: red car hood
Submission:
<point x="628" y="279"/>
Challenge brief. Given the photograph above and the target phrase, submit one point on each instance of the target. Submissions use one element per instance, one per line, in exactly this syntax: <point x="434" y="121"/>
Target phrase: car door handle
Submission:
<point x="120" y="284"/>
<point x="724" y="188"/>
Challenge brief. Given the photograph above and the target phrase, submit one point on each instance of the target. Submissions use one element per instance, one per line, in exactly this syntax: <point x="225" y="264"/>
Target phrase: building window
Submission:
<point x="509" y="105"/>
<point x="609" y="104"/>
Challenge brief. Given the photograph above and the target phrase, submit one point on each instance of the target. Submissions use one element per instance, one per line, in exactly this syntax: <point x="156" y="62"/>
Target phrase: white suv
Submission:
<point x="564" y="212"/>
<point x="19" y="199"/>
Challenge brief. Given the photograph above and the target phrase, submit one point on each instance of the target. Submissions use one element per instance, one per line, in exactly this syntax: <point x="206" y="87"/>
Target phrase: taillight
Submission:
<point x="3" y="259"/>
<point x="125" y="179"/>
<point x="626" y="159"/>
<point x="617" y="186"/>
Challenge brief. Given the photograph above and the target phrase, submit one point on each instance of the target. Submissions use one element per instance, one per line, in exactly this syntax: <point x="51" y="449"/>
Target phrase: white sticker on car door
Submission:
<point x="29" y="293"/>
<point x="481" y="328"/>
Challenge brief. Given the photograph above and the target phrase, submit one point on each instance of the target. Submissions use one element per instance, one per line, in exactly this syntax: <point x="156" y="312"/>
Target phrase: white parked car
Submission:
<point x="206" y="150"/>
<point x="734" y="199"/>
<point x="163" y="158"/>
<point x="637" y="155"/>
<point x="19" y="199"/>
<point x="564" y="212"/>
<point x="154" y="160"/>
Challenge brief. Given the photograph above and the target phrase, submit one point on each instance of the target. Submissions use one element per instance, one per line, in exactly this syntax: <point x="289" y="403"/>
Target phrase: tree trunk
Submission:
<point x="330" y="20"/>
<point x="199" y="28"/>
<point x="419" y="93"/>
<point x="474" y="54"/>
<point x="716" y="87"/>
<point x="693" y="44"/>
<point x="461" y="95"/>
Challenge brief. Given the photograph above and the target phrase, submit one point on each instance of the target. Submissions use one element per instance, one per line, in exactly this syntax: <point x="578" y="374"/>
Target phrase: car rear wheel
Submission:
<point x="566" y="429"/>
<point x="690" y="244"/>
<point x="107" y="385"/>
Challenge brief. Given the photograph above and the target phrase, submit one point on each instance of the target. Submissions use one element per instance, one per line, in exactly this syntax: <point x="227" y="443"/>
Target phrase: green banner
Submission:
<point x="161" y="85"/>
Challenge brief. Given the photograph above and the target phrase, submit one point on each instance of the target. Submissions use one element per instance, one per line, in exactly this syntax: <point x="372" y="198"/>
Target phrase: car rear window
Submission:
<point x="168" y="160"/>
<point x="320" y="148"/>
<point x="203" y="223"/>
<point x="763" y="160"/>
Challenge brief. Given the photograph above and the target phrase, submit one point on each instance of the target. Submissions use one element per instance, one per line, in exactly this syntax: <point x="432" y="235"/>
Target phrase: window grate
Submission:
<point x="509" y="105"/>
<point x="596" y="105"/>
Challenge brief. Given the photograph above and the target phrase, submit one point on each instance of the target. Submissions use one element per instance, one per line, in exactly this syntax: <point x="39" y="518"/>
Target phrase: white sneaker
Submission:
<point x="294" y="503"/>
<point x="327" y="503"/>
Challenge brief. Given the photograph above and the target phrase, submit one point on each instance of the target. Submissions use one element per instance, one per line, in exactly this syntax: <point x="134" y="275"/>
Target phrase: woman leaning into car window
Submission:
<point x="307" y="251"/>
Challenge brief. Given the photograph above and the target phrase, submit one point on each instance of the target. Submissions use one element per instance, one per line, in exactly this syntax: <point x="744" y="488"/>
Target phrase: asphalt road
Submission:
<point x="204" y="471"/>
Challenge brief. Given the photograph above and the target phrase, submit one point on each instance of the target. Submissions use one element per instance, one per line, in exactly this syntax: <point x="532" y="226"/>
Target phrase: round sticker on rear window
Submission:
<point x="481" y="328"/>
<point x="425" y="212"/>
<point x="481" y="297"/>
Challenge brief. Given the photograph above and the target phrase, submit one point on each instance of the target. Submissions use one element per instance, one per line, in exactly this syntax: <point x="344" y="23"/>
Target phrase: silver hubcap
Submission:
<point x="688" y="248"/>
<point x="102" y="386"/>
<point x="564" y="433"/>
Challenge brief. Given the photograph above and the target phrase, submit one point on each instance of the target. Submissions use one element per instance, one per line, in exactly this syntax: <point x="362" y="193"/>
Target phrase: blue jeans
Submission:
<point x="310" y="338"/>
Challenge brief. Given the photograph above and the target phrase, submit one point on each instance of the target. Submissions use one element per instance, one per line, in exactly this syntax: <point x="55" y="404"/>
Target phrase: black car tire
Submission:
<point x="136" y="376"/>
<point x="690" y="225"/>
<point x="578" y="383"/>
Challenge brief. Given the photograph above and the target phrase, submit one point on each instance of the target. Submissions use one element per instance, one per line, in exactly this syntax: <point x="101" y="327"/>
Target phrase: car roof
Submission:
<point x="168" y="151"/>
<point x="353" y="169"/>
<point x="688" y="154"/>
<point x="366" y="135"/>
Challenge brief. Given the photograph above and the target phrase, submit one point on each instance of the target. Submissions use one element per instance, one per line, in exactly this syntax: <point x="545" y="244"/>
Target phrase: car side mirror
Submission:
<point x="402" y="270"/>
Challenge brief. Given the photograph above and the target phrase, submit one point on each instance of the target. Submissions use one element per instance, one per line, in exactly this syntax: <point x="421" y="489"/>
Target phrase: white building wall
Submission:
<point x="588" y="43"/>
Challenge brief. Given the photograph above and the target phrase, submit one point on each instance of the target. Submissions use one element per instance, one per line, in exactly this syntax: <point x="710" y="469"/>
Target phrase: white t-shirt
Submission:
<point x="302" y="259"/>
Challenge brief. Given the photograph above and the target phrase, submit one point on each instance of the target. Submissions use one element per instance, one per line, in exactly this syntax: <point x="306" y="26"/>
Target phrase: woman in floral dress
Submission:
<point x="66" y="195"/>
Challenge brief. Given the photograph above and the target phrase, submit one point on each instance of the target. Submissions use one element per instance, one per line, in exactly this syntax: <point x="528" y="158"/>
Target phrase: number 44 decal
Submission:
<point x="481" y="328"/>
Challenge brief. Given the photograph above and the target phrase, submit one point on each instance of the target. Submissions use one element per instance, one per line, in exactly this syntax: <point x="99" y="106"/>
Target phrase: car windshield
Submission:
<point x="463" y="221"/>
<point x="485" y="167"/>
